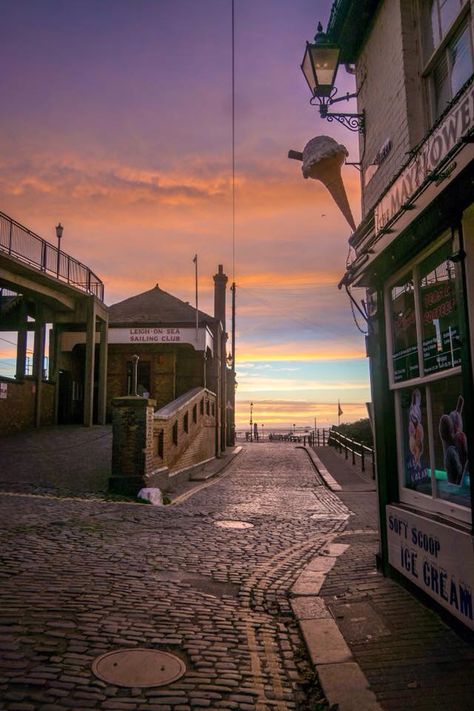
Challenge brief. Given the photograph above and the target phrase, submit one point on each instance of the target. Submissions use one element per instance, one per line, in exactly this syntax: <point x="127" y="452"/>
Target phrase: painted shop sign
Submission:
<point x="456" y="124"/>
<point x="436" y="558"/>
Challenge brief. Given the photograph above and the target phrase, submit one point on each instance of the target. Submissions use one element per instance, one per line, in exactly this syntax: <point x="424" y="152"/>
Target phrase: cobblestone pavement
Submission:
<point x="79" y="578"/>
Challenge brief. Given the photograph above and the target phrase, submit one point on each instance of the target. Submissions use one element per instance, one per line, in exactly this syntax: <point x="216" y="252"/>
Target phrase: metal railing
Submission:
<point x="354" y="448"/>
<point x="26" y="246"/>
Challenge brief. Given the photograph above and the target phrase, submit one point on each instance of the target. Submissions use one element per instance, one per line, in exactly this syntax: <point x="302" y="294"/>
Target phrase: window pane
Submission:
<point x="441" y="85"/>
<point x="451" y="463"/>
<point x="405" y="351"/>
<point x="461" y="60"/>
<point x="417" y="473"/>
<point x="448" y="10"/>
<point x="439" y="312"/>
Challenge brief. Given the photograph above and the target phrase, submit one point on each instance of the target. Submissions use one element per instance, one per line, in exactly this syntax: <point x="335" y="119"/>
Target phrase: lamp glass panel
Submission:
<point x="307" y="70"/>
<point x="325" y="60"/>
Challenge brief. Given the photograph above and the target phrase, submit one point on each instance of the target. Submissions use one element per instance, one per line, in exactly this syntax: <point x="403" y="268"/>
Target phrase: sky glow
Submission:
<point x="116" y="121"/>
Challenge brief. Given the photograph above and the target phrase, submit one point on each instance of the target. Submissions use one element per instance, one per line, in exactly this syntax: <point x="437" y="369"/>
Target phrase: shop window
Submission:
<point x="448" y="51"/>
<point x="404" y="343"/>
<point x="175" y="433"/>
<point x="201" y="406"/>
<point x="208" y="409"/>
<point x="195" y="414"/>
<point x="186" y="423"/>
<point x="426" y="375"/>
<point x="439" y="312"/>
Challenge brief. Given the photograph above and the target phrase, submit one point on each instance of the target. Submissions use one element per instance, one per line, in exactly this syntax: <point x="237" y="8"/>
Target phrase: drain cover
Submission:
<point x="234" y="524"/>
<point x="138" y="667"/>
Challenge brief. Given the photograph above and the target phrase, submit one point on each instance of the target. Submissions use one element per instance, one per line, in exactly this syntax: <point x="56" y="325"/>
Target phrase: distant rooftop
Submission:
<point x="155" y="307"/>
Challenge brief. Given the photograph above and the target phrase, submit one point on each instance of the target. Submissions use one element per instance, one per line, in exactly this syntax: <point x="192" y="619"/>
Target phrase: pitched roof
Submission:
<point x="155" y="306"/>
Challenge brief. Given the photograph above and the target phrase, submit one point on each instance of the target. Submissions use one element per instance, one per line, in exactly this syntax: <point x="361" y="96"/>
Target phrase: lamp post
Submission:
<point x="59" y="234"/>
<point x="251" y="422"/>
<point x="319" y="66"/>
<point x="135" y="359"/>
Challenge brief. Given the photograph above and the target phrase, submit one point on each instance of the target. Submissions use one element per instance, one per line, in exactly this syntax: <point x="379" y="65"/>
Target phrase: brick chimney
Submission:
<point x="220" y="282"/>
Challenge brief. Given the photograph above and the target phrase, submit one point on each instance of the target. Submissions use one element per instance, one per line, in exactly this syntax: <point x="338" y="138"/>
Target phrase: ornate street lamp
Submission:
<point x="319" y="66"/>
<point x="59" y="234"/>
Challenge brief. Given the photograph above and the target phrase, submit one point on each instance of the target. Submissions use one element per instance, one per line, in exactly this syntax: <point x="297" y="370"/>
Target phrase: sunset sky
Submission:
<point x="116" y="121"/>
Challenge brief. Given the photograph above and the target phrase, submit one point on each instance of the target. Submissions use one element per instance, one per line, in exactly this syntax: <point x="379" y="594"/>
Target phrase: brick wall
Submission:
<point x="132" y="444"/>
<point x="17" y="410"/>
<point x="173" y="371"/>
<point x="193" y="446"/>
<point x="389" y="78"/>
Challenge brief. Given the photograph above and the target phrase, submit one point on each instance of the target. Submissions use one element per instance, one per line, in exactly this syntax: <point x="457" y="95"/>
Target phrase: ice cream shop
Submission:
<point x="413" y="253"/>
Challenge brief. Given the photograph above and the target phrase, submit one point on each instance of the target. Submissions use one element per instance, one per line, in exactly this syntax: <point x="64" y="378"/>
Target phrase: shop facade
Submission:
<point x="413" y="253"/>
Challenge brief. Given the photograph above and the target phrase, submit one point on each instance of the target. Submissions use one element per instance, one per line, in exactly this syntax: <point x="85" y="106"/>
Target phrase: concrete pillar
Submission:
<point x="102" y="394"/>
<point x="132" y="443"/>
<point x="38" y="363"/>
<point x="22" y="342"/>
<point x="54" y="372"/>
<point x="89" y="364"/>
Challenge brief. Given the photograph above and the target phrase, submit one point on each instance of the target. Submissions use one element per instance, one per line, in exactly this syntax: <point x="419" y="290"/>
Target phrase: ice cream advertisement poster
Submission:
<point x="435" y="557"/>
<point x="416" y="468"/>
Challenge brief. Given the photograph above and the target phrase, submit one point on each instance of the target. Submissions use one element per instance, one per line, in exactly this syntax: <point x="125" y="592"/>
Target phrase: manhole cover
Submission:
<point x="138" y="667"/>
<point x="234" y="524"/>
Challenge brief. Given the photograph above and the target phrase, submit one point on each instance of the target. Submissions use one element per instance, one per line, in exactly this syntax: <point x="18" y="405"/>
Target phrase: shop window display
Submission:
<point x="405" y="349"/>
<point x="415" y="440"/>
<point x="426" y="375"/>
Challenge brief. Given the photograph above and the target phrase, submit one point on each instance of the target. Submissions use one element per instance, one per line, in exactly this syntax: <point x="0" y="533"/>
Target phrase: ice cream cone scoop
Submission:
<point x="322" y="160"/>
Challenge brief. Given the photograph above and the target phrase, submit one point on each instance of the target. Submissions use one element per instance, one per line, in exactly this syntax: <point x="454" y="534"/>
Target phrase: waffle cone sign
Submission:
<point x="322" y="160"/>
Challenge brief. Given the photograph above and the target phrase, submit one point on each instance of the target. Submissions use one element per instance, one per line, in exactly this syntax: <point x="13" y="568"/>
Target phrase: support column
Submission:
<point x="22" y="342"/>
<point x="89" y="364"/>
<point x="38" y="361"/>
<point x="102" y="394"/>
<point x="54" y="374"/>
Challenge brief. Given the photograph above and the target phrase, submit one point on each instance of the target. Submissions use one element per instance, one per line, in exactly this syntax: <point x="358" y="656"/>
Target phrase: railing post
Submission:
<point x="10" y="240"/>
<point x="362" y="457"/>
<point x="43" y="256"/>
<point x="353" y="453"/>
<point x="373" y="464"/>
<point x="345" y="449"/>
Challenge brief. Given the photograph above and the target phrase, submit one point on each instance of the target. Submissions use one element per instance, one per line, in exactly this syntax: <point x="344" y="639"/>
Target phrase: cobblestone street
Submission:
<point x="80" y="578"/>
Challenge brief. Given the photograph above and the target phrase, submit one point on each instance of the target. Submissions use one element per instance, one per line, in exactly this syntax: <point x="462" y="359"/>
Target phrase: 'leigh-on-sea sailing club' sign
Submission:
<point x="458" y="122"/>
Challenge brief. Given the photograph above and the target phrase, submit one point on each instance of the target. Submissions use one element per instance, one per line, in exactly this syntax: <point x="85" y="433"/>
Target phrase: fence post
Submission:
<point x="43" y="256"/>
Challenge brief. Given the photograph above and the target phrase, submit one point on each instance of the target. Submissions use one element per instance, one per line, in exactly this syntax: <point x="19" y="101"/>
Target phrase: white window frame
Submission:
<point x="429" y="503"/>
<point x="441" y="49"/>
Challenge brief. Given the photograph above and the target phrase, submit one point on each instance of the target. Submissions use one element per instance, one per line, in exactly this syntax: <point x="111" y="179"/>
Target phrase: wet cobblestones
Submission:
<point x="80" y="578"/>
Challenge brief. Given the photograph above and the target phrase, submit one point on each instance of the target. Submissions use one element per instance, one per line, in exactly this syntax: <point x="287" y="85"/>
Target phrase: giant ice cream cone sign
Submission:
<point x="322" y="160"/>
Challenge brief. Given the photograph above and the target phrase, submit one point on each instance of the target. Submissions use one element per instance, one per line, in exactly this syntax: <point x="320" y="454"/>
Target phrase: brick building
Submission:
<point x="413" y="252"/>
<point x="156" y="338"/>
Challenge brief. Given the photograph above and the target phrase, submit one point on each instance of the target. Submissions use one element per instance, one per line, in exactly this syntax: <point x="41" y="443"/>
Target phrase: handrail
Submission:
<point x="23" y="244"/>
<point x="349" y="445"/>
